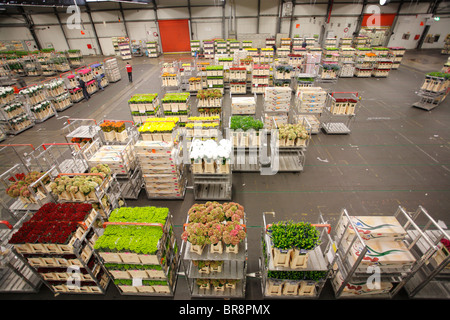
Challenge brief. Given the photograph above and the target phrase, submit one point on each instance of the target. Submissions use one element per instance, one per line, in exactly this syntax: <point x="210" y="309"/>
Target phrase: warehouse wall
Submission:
<point x="207" y="21"/>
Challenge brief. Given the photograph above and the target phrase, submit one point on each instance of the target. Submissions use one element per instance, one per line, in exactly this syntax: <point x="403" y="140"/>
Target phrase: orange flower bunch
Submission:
<point x="118" y="126"/>
<point x="107" y="126"/>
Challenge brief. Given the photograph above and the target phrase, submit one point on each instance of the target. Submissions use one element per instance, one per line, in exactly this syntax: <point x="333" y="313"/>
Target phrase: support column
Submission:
<point x="30" y="26"/>
<point x="124" y="21"/>
<point x="88" y="10"/>
<point x="61" y="26"/>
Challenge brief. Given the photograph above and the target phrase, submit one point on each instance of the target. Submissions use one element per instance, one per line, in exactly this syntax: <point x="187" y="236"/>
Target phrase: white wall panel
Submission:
<point x="106" y="16"/>
<point x="139" y="15"/>
<point x="269" y="6"/>
<point x="204" y="12"/>
<point x="110" y="29"/>
<point x="207" y="29"/>
<point x="44" y="18"/>
<point x="51" y="35"/>
<point x="246" y="8"/>
<point x="246" y="25"/>
<point x="173" y="13"/>
<point x="440" y="27"/>
<point x="141" y="30"/>
<point x="346" y="8"/>
<point x="308" y="26"/>
<point x="340" y="26"/>
<point x="107" y="46"/>
<point x="407" y="24"/>
<point x="310" y="9"/>
<point x="268" y="25"/>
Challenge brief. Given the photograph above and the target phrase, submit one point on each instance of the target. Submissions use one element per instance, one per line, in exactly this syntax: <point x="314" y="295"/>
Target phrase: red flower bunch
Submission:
<point x="52" y="223"/>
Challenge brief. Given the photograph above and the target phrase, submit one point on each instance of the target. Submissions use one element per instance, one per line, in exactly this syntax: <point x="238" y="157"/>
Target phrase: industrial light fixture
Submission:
<point x="383" y="2"/>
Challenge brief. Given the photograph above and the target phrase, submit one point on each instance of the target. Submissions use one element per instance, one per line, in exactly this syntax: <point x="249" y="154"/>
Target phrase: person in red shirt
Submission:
<point x="129" y="71"/>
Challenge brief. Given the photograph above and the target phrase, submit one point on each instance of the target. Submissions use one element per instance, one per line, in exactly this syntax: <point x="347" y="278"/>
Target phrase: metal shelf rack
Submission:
<point x="275" y="288"/>
<point x="353" y="260"/>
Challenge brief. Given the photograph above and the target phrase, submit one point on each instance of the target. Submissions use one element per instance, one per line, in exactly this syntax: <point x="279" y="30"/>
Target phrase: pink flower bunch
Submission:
<point x="196" y="233"/>
<point x="215" y="232"/>
<point x="233" y="233"/>
<point x="233" y="211"/>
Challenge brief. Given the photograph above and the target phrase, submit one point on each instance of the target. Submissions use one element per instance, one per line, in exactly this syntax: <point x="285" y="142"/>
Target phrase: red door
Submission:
<point x="174" y="35"/>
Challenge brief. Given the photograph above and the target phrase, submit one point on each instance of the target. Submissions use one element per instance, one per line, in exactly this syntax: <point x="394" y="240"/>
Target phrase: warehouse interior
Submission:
<point x="393" y="161"/>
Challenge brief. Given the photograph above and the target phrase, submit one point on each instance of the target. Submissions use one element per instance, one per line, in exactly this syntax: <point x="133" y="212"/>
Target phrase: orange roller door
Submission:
<point x="174" y="35"/>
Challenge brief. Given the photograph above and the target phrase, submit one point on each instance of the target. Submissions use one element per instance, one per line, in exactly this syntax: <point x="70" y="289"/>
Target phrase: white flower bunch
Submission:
<point x="31" y="90"/>
<point x="54" y="84"/>
<point x="210" y="149"/>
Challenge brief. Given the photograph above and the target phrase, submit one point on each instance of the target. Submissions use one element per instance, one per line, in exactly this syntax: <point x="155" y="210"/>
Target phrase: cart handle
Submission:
<point x="63" y="74"/>
<point x="314" y="225"/>
<point x="80" y="174"/>
<point x="104" y="120"/>
<point x="16" y="145"/>
<point x="150" y="224"/>
<point x="344" y="92"/>
<point x="6" y="223"/>
<point x="60" y="144"/>
<point x="68" y="120"/>
<point x="185" y="224"/>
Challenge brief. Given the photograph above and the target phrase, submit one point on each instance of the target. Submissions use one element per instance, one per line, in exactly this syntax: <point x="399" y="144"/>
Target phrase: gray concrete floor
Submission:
<point x="396" y="155"/>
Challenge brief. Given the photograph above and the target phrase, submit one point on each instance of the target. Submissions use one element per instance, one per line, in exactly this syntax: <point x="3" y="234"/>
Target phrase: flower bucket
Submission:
<point x="290" y="288"/>
<point x="299" y="259"/>
<point x="281" y="257"/>
<point x="307" y="288"/>
<point x="274" y="288"/>
<point x="230" y="286"/>
<point x="128" y="289"/>
<point x="78" y="196"/>
<point x="216" y="248"/>
<point x="216" y="269"/>
<point x="232" y="248"/>
<point x="148" y="259"/>
<point x="121" y="136"/>
<point x="204" y="270"/>
<point x="196" y="248"/>
<point x="109" y="136"/>
<point x="219" y="288"/>
<point x="290" y="142"/>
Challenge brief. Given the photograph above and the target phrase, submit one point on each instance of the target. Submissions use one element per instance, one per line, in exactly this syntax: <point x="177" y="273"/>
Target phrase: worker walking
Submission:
<point x="99" y="81"/>
<point x="83" y="87"/>
<point x="130" y="72"/>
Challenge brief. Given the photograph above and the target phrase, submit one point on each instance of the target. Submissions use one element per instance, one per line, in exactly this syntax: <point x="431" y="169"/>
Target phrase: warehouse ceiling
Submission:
<point x="53" y="3"/>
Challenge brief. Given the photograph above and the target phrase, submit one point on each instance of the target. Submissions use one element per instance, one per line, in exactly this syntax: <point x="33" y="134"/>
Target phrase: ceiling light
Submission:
<point x="383" y="2"/>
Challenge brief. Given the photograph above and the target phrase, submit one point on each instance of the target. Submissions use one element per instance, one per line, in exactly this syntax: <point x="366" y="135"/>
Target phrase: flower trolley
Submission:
<point x="293" y="267"/>
<point x="148" y="265"/>
<point x="214" y="254"/>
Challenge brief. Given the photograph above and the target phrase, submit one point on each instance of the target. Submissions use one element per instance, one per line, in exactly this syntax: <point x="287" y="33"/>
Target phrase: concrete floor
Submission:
<point x="396" y="155"/>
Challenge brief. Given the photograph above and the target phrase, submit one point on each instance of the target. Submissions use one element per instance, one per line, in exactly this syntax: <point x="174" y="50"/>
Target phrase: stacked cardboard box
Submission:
<point x="310" y="99"/>
<point x="162" y="175"/>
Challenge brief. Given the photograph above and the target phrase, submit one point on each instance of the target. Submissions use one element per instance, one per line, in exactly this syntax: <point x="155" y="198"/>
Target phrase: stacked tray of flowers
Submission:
<point x="177" y="105"/>
<point x="238" y="80"/>
<point x="139" y="250"/>
<point x="85" y="74"/>
<point x="13" y="109"/>
<point x="343" y="106"/>
<point x="57" y="243"/>
<point x="195" y="84"/>
<point x="7" y="95"/>
<point x="210" y="157"/>
<point x="163" y="174"/>
<point x="396" y="53"/>
<point x="311" y="119"/>
<point x="310" y="99"/>
<point x="277" y="102"/>
<point x="63" y="101"/>
<point x="215" y="77"/>
<point x="215" y="236"/>
<point x="75" y="57"/>
<point x="20" y="188"/>
<point x="209" y="102"/>
<point x="33" y="94"/>
<point x="293" y="135"/>
<point x="54" y="87"/>
<point x="42" y="111"/>
<point x="260" y="77"/>
<point x="245" y="131"/>
<point x="170" y="79"/>
<point x="203" y="127"/>
<point x="114" y="130"/>
<point x="119" y="158"/>
<point x="159" y="129"/>
<point x="291" y="265"/>
<point x="243" y="105"/>
<point x="143" y="106"/>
